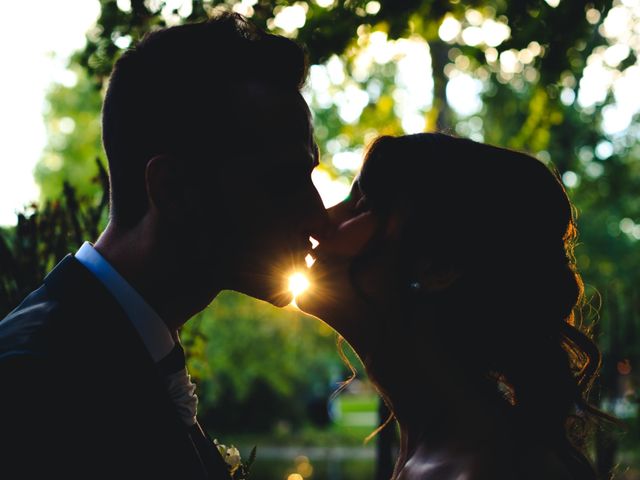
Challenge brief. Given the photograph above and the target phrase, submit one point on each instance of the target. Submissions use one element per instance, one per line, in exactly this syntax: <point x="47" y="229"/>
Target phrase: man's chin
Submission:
<point x="279" y="300"/>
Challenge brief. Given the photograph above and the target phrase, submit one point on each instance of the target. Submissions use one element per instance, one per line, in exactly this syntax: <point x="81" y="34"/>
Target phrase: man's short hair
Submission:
<point x="176" y="92"/>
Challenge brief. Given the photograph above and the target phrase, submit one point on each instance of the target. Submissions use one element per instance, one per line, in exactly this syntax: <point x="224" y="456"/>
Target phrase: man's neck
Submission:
<point x="158" y="278"/>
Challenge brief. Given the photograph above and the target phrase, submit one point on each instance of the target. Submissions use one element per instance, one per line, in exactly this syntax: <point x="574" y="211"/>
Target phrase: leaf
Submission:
<point x="252" y="458"/>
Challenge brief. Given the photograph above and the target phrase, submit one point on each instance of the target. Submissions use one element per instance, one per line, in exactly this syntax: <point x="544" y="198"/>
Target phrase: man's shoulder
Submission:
<point x="52" y="317"/>
<point x="26" y="331"/>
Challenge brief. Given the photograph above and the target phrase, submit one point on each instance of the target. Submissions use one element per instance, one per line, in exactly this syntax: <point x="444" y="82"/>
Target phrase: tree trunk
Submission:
<point x="439" y="59"/>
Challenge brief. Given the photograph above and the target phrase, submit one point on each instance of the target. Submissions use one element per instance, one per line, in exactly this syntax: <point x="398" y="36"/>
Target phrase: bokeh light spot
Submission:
<point x="624" y="367"/>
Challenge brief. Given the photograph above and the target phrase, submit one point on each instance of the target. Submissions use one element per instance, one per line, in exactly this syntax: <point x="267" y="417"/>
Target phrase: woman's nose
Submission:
<point x="350" y="237"/>
<point x="340" y="213"/>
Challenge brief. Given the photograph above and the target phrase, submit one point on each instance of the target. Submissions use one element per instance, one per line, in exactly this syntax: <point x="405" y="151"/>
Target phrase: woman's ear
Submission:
<point x="435" y="279"/>
<point x="439" y="281"/>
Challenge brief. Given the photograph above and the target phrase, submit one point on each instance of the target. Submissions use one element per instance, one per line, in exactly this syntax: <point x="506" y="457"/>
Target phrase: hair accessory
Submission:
<point x="415" y="286"/>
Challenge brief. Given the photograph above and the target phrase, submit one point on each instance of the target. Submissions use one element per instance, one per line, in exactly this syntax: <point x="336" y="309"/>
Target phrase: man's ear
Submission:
<point x="165" y="189"/>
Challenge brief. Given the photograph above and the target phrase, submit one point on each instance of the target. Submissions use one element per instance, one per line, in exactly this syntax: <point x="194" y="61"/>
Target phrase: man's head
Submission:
<point x="210" y="145"/>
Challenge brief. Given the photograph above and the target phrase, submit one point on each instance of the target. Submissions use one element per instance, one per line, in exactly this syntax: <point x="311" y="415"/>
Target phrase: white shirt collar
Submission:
<point x="152" y="330"/>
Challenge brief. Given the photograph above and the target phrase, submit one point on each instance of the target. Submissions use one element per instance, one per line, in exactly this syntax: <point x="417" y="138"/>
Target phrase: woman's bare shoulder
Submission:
<point x="532" y="464"/>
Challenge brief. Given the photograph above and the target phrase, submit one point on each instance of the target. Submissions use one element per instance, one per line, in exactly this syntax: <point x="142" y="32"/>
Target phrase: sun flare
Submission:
<point x="298" y="283"/>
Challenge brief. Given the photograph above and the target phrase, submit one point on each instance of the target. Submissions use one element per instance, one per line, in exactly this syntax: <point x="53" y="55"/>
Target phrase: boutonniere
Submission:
<point x="238" y="469"/>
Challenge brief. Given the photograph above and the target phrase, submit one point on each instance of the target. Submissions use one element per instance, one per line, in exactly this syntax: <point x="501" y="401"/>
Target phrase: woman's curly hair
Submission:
<point x="503" y="222"/>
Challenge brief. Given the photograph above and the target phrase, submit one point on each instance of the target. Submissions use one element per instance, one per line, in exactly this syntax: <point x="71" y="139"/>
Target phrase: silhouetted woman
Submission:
<point x="452" y="276"/>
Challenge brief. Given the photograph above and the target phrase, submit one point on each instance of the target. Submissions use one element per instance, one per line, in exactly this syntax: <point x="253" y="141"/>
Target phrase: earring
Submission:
<point x="415" y="286"/>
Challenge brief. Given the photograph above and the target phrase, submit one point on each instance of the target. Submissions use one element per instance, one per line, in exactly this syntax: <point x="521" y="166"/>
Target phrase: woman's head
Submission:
<point x="471" y="254"/>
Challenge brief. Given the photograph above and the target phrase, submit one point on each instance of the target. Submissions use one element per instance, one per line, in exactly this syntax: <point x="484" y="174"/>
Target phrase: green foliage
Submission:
<point x="252" y="355"/>
<point x="44" y="236"/>
<point x="275" y="345"/>
<point x="73" y="128"/>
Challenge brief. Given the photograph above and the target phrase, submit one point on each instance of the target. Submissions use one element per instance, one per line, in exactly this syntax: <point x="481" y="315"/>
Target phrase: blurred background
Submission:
<point x="557" y="78"/>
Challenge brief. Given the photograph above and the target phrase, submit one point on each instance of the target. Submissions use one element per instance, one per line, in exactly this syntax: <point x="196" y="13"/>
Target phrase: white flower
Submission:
<point x="232" y="457"/>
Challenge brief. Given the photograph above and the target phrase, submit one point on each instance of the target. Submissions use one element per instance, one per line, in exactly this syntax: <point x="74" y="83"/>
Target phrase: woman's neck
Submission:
<point x="447" y="411"/>
<point x="465" y="433"/>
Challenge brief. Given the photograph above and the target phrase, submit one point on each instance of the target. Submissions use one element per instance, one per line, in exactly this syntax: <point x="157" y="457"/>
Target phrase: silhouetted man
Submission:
<point x="210" y="150"/>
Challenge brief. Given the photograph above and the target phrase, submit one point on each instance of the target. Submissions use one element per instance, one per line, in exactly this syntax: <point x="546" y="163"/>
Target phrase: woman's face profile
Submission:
<point x="355" y="225"/>
<point x="351" y="275"/>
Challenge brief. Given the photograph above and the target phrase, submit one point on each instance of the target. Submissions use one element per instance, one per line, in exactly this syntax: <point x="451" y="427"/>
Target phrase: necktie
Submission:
<point x="178" y="383"/>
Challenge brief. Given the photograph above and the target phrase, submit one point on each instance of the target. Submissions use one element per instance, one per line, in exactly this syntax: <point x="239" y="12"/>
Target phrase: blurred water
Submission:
<point x="297" y="463"/>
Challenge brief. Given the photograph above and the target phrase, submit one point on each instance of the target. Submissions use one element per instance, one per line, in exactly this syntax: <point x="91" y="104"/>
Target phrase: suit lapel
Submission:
<point x="209" y="454"/>
<point x="122" y="374"/>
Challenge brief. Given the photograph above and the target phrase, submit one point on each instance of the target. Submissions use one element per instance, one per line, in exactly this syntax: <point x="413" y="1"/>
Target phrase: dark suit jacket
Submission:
<point x="80" y="397"/>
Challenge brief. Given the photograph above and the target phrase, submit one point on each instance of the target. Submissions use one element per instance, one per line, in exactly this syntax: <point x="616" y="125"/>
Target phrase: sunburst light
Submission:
<point x="298" y="283"/>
